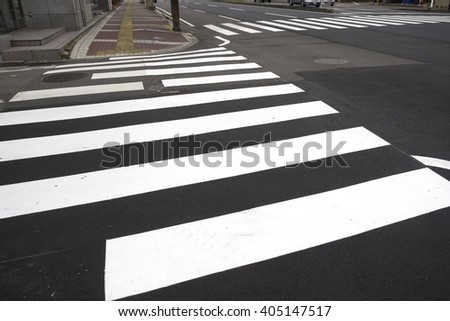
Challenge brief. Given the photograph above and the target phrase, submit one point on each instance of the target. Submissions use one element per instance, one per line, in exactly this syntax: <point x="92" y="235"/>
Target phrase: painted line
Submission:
<point x="218" y="79"/>
<point x="197" y="55"/>
<point x="236" y="9"/>
<point x="361" y="21"/>
<point x="229" y="18"/>
<point x="152" y="260"/>
<point x="385" y="22"/>
<point x="280" y="25"/>
<point x="240" y="28"/>
<point x="212" y="6"/>
<point x="347" y="24"/>
<point x="221" y="30"/>
<point x="168" y="54"/>
<point x="279" y="15"/>
<point x="433" y="162"/>
<point x="85" y="188"/>
<point x="251" y="24"/>
<point x="415" y="19"/>
<point x="79" y="142"/>
<point x="224" y="41"/>
<point x="155" y="64"/>
<point x="128" y="106"/>
<point x="76" y="91"/>
<point x="184" y="7"/>
<point x="173" y="71"/>
<point x="302" y="23"/>
<point x="379" y="18"/>
<point x="320" y="22"/>
<point x="201" y="11"/>
<point x="170" y="15"/>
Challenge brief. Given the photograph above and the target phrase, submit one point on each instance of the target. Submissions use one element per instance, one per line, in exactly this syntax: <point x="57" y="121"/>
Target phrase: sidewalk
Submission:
<point x="131" y="29"/>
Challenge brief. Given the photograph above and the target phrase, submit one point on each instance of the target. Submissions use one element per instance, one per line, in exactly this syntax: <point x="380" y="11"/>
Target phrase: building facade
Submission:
<point x="72" y="14"/>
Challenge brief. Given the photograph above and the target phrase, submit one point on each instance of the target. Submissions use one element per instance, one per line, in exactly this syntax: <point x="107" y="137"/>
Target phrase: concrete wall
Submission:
<point x="72" y="14"/>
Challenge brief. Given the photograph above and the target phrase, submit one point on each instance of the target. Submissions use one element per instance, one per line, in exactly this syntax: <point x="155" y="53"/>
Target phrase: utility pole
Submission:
<point x="175" y="15"/>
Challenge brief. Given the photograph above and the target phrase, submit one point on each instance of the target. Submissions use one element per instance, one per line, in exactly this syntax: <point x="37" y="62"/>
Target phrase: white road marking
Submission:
<point x="152" y="64"/>
<point x="201" y="11"/>
<point x="76" y="91"/>
<point x="224" y="41"/>
<point x="221" y="30"/>
<point x="168" y="54"/>
<point x="240" y="28"/>
<point x="301" y="23"/>
<point x="433" y="162"/>
<point x="320" y="22"/>
<point x="381" y="18"/>
<point x="173" y="71"/>
<point x="279" y="15"/>
<point x="152" y="260"/>
<point x="237" y="9"/>
<point x="385" y="22"/>
<point x="280" y="25"/>
<point x="415" y="19"/>
<point x="85" y="188"/>
<point x="229" y="18"/>
<point x="196" y="55"/>
<point x="128" y="106"/>
<point x="342" y="23"/>
<point x="170" y="15"/>
<point x="218" y="79"/>
<point x="251" y="24"/>
<point x="96" y="139"/>
<point x="212" y="5"/>
<point x="361" y="21"/>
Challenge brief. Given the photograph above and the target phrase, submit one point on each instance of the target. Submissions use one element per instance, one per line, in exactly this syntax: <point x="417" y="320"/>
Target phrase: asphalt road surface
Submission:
<point x="273" y="160"/>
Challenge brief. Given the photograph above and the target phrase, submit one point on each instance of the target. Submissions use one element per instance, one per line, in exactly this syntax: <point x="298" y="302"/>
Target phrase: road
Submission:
<point x="327" y="203"/>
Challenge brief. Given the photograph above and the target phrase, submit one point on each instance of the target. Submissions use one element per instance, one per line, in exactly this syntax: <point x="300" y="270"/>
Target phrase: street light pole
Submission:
<point x="175" y="15"/>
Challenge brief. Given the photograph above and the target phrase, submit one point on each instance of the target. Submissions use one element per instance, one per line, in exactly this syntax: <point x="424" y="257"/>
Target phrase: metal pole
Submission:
<point x="175" y="15"/>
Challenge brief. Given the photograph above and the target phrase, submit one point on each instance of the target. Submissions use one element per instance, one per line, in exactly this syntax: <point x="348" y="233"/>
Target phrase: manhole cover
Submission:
<point x="66" y="76"/>
<point x="331" y="61"/>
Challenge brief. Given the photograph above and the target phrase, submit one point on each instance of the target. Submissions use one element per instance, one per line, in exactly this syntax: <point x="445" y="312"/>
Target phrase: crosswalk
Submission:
<point x="266" y="170"/>
<point x="324" y="23"/>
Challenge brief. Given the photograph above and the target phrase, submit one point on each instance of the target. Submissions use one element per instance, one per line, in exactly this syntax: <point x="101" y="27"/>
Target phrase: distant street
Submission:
<point x="286" y="155"/>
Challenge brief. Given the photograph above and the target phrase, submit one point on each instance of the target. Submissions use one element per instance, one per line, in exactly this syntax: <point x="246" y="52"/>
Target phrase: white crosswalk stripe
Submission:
<point x="240" y="28"/>
<point x="325" y="23"/>
<point x="75" y="147"/>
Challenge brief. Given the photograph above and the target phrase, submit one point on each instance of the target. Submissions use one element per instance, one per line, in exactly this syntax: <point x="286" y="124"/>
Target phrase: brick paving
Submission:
<point x="132" y="29"/>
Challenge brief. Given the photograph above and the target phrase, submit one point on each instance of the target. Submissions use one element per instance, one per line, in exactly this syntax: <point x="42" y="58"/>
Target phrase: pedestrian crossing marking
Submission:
<point x="221" y="30"/>
<point x="152" y="260"/>
<point x="76" y="91"/>
<point x="218" y="79"/>
<point x="168" y="54"/>
<point x="86" y="188"/>
<point x="324" y="23"/>
<point x="147" y="59"/>
<point x="280" y="25"/>
<point x="174" y="71"/>
<point x="240" y="28"/>
<point x="143" y="104"/>
<point x="255" y="25"/>
<point x="78" y="142"/>
<point x="152" y="64"/>
<point x="301" y="23"/>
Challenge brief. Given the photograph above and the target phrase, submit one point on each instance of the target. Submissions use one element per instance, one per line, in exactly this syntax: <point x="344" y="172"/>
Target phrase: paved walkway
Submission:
<point x="131" y="29"/>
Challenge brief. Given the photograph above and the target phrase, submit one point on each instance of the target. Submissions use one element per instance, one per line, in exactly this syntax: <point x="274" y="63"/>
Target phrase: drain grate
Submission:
<point x="64" y="77"/>
<point x="331" y="61"/>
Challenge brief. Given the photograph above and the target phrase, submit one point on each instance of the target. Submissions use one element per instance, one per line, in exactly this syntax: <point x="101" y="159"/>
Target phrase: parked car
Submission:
<point x="311" y="2"/>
